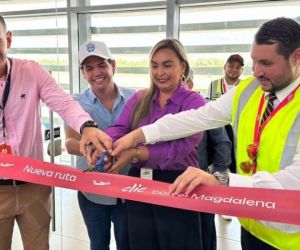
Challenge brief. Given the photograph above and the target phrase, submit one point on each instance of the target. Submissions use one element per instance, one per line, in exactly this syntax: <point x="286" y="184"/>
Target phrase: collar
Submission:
<point x="93" y="98"/>
<point x="224" y="80"/>
<point x="120" y="92"/>
<point x="177" y="95"/>
<point x="4" y="78"/>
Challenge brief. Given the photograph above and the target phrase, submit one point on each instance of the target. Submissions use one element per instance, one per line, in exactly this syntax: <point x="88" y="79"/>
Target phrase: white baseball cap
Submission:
<point x="94" y="48"/>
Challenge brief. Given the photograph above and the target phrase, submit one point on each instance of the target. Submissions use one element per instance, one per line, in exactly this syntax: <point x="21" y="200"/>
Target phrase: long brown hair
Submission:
<point x="143" y="106"/>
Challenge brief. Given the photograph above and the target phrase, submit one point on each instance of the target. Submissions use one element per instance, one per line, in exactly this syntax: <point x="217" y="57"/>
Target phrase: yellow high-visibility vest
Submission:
<point x="215" y="89"/>
<point x="278" y="145"/>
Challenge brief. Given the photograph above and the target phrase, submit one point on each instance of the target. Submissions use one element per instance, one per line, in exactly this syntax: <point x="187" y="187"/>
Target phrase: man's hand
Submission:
<point x="95" y="136"/>
<point x="190" y="179"/>
<point x="94" y="154"/>
<point x="128" y="141"/>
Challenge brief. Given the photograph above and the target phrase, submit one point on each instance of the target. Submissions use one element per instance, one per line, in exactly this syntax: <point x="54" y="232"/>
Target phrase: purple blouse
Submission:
<point x="172" y="155"/>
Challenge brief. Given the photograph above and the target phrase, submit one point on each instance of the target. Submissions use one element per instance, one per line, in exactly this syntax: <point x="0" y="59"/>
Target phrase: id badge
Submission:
<point x="147" y="173"/>
<point x="5" y="149"/>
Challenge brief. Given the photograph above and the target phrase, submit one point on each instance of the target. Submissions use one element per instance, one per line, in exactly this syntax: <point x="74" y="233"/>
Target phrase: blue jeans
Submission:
<point x="98" y="220"/>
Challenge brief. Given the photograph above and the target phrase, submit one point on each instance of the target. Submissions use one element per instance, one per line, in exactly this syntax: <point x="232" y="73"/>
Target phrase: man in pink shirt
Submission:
<point x="23" y="84"/>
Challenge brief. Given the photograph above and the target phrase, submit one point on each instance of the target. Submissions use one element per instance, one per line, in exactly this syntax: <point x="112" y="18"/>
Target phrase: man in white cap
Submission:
<point x="104" y="101"/>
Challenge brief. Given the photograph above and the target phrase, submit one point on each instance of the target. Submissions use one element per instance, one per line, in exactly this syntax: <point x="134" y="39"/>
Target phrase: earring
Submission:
<point x="183" y="78"/>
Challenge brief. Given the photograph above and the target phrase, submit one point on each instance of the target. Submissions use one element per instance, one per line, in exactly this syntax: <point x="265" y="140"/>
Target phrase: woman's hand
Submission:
<point x="128" y="141"/>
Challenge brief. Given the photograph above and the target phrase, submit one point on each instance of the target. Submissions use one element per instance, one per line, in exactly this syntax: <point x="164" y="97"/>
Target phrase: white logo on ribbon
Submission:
<point x="101" y="183"/>
<point x="6" y="165"/>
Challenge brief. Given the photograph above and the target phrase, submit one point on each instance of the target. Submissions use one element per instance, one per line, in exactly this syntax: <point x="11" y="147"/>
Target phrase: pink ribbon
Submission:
<point x="262" y="204"/>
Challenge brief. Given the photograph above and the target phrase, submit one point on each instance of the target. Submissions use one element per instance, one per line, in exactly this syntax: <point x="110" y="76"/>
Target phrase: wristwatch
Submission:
<point x="136" y="157"/>
<point x="88" y="124"/>
<point x="222" y="177"/>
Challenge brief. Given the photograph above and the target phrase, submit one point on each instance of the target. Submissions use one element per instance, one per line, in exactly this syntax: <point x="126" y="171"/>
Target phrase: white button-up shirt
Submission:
<point x="219" y="113"/>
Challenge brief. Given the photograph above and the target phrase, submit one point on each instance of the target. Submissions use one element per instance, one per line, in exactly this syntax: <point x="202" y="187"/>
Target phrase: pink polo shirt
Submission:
<point x="30" y="84"/>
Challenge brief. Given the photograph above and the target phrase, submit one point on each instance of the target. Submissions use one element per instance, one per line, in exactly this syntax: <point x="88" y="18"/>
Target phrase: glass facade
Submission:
<point x="50" y="32"/>
<point x="132" y="54"/>
<point x="211" y="33"/>
<point x="31" y="5"/>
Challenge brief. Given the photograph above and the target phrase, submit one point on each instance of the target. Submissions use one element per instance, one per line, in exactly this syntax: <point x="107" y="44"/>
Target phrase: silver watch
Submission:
<point x="136" y="157"/>
<point x="222" y="177"/>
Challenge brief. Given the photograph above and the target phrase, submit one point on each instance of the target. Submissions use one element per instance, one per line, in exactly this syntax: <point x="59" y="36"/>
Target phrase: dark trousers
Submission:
<point x="208" y="228"/>
<point x="153" y="227"/>
<point x="250" y="242"/>
<point x="232" y="166"/>
<point x="98" y="218"/>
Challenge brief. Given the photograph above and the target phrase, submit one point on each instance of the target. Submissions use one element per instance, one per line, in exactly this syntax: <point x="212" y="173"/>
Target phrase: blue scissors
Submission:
<point x="99" y="167"/>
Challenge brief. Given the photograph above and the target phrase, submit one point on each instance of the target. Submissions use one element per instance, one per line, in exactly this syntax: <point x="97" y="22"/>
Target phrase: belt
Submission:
<point x="12" y="182"/>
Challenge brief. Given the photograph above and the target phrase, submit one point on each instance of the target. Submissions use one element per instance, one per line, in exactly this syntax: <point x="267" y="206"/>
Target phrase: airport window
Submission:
<point x="130" y="38"/>
<point x="20" y="5"/>
<point x="50" y="32"/>
<point x="211" y="33"/>
<point x="97" y="2"/>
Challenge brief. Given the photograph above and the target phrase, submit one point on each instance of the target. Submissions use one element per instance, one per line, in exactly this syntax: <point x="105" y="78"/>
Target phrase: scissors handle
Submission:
<point x="101" y="162"/>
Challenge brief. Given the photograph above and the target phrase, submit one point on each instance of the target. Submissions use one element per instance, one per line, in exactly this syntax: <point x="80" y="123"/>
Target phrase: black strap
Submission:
<point x="7" y="86"/>
<point x="11" y="182"/>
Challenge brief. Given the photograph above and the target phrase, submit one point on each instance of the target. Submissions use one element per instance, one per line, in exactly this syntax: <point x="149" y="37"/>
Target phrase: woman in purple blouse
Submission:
<point x="150" y="226"/>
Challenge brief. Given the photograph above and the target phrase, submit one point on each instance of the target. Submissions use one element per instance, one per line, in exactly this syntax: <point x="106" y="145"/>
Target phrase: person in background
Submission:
<point x="264" y="159"/>
<point x="233" y="70"/>
<point x="23" y="84"/>
<point x="214" y="149"/>
<point x="214" y="154"/>
<point x="103" y="100"/>
<point x="151" y="226"/>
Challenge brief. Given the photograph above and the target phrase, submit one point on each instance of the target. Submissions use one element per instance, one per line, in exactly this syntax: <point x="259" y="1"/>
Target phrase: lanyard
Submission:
<point x="5" y="95"/>
<point x="224" y="87"/>
<point x="258" y="129"/>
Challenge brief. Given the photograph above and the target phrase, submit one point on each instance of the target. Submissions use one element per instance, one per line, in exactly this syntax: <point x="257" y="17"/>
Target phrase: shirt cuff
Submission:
<point x="151" y="133"/>
<point x="236" y="180"/>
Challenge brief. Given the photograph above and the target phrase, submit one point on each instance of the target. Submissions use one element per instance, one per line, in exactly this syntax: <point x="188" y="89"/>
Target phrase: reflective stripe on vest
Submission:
<point x="215" y="89"/>
<point x="244" y="92"/>
<point x="280" y="136"/>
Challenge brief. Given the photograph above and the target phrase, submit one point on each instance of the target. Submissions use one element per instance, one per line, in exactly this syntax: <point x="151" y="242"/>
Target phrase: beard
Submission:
<point x="279" y="82"/>
<point x="276" y="85"/>
<point x="232" y="79"/>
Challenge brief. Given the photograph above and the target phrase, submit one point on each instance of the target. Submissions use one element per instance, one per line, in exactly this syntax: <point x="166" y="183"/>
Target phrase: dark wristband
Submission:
<point x="88" y="124"/>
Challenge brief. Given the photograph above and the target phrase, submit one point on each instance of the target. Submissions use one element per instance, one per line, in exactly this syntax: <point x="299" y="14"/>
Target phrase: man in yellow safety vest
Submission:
<point x="264" y="111"/>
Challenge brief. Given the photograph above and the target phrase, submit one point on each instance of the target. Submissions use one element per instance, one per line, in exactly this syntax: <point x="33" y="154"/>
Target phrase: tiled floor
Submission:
<point x="71" y="234"/>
